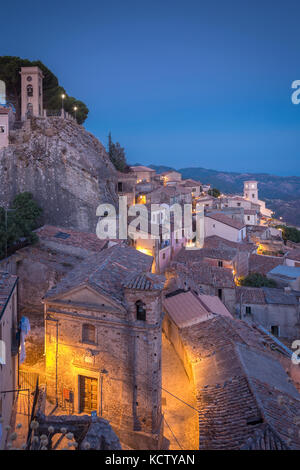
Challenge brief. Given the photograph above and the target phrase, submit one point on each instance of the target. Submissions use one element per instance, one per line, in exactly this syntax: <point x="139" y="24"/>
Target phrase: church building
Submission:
<point x="103" y="333"/>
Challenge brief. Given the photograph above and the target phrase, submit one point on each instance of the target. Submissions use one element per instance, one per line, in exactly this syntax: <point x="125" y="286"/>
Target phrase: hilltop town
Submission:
<point x="166" y="342"/>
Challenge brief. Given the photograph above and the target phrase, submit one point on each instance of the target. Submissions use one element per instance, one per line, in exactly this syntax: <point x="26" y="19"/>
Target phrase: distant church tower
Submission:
<point x="251" y="191"/>
<point x="31" y="92"/>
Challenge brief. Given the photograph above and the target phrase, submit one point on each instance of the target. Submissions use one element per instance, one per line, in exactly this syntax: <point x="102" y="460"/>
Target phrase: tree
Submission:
<point x="9" y="72"/>
<point x="289" y="233"/>
<point x="257" y="280"/>
<point x="19" y="223"/>
<point x="117" y="155"/>
<point x="214" y="192"/>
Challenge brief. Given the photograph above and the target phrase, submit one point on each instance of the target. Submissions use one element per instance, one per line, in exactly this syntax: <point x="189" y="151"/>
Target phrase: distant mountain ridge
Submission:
<point x="281" y="193"/>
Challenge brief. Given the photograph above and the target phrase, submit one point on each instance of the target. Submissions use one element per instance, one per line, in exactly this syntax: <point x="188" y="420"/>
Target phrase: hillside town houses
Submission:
<point x="99" y="316"/>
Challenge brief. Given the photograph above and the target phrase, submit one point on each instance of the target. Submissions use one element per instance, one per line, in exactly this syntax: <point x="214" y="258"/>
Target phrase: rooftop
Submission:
<point x="186" y="255"/>
<point x="265" y="295"/>
<point x="7" y="284"/>
<point x="224" y="219"/>
<point x="141" y="168"/>
<point x="66" y="236"/>
<point x="294" y="255"/>
<point x="201" y="273"/>
<point x="242" y="389"/>
<point x="215" y="241"/>
<point x="263" y="264"/>
<point x="250" y="295"/>
<point x="185" y="309"/>
<point x="105" y="271"/>
<point x="290" y="272"/>
<point x="145" y="281"/>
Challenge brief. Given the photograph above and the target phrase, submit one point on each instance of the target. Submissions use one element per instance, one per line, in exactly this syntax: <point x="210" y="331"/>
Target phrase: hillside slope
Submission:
<point x="65" y="168"/>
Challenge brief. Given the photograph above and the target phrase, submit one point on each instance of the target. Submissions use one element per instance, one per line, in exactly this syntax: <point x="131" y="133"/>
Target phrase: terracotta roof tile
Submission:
<point x="224" y="219"/>
<point x="241" y="387"/>
<point x="218" y="242"/>
<point x="263" y="264"/>
<point x="105" y="271"/>
<point x="294" y="255"/>
<point x="67" y="236"/>
<point x="185" y="309"/>
<point x="145" y="281"/>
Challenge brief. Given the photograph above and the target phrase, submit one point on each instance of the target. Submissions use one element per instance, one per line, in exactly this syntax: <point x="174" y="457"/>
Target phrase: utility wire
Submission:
<point x="180" y="400"/>
<point x="173" y="433"/>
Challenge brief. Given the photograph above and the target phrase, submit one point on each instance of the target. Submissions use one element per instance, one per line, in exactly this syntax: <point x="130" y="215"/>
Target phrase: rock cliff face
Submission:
<point x="65" y="168"/>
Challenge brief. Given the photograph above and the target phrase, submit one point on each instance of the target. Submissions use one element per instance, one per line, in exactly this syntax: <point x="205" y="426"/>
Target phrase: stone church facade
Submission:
<point x="103" y="326"/>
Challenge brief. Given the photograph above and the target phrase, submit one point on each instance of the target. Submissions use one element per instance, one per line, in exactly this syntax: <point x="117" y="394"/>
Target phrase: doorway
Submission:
<point x="88" y="389"/>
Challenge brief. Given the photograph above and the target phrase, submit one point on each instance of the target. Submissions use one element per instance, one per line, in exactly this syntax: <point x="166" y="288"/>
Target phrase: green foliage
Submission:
<point x="290" y="233"/>
<point x="20" y="220"/>
<point x="214" y="192"/>
<point x="52" y="91"/>
<point x="117" y="155"/>
<point x="257" y="280"/>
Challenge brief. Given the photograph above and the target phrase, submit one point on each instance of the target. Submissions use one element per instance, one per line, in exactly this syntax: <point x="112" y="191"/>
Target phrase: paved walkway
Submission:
<point x="181" y="422"/>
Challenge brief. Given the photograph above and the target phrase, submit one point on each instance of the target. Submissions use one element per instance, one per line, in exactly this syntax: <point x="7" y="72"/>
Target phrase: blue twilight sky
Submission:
<point x="179" y="83"/>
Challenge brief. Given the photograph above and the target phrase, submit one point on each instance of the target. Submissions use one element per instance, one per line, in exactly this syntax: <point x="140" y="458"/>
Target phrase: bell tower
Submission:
<point x="31" y="92"/>
<point x="251" y="191"/>
<point x="143" y="294"/>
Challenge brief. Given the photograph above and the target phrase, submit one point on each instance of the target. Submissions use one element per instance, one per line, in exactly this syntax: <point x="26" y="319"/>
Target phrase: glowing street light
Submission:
<point x="75" y="109"/>
<point x="62" y="100"/>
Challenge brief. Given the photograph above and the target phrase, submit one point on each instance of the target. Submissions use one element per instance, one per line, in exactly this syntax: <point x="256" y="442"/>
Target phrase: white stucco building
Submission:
<point x="223" y="226"/>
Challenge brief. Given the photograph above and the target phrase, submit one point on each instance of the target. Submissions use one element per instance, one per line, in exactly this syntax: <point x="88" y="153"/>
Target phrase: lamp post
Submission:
<point x="102" y="373"/>
<point x="62" y="103"/>
<point x="75" y="109"/>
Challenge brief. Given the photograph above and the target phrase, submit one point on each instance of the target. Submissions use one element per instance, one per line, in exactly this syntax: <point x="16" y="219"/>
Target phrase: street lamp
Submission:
<point x="62" y="100"/>
<point x="75" y="109"/>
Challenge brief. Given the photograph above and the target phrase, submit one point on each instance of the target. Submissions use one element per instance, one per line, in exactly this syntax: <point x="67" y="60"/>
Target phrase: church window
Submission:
<point x="88" y="333"/>
<point x="140" y="311"/>
<point x="29" y="90"/>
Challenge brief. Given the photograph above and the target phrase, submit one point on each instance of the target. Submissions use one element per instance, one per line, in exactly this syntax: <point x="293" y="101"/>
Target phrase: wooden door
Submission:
<point x="88" y="394"/>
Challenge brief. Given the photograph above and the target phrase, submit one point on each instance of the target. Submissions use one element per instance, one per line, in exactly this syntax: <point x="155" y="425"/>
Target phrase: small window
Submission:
<point x="248" y="310"/>
<point x="88" y="333"/>
<point x="120" y="186"/>
<point x="140" y="311"/>
<point x="164" y="255"/>
<point x="239" y="204"/>
<point x="253" y="195"/>
<point x="220" y="264"/>
<point x="248" y="217"/>
<point x="29" y="90"/>
<point x="220" y="293"/>
<point x="275" y="330"/>
<point x="62" y="235"/>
